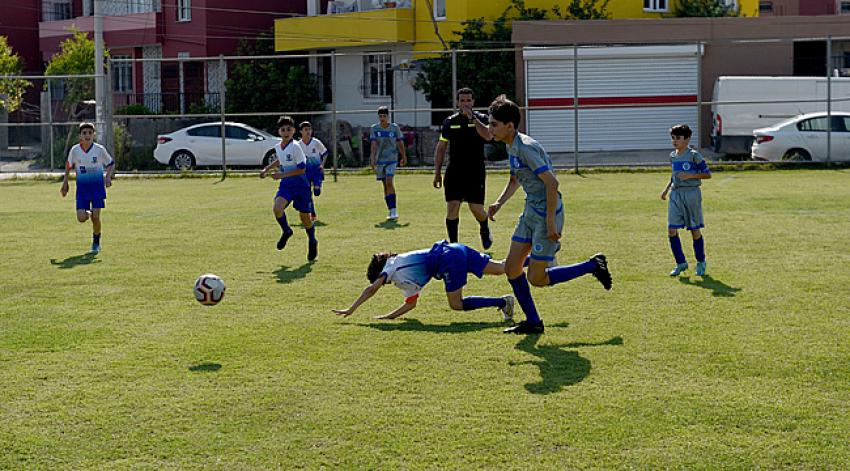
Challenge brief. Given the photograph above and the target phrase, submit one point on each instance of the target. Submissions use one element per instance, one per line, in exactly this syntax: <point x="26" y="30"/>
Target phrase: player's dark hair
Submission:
<point x="383" y="110"/>
<point x="285" y="121"/>
<point x="376" y="265"/>
<point x="681" y="130"/>
<point x="465" y="91"/>
<point x="304" y="124"/>
<point x="505" y="110"/>
<point x="86" y="125"/>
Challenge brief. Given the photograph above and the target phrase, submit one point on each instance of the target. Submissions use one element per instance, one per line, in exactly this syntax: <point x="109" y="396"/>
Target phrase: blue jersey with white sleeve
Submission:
<point x="91" y="165"/>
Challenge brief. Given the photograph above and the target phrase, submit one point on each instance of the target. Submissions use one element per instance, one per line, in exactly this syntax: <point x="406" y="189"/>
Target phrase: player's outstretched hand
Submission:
<point x="343" y="312"/>
<point x="403" y="161"/>
<point x="386" y="316"/>
<point x="64" y="190"/>
<point x="492" y="210"/>
<point x="438" y="180"/>
<point x="553" y="233"/>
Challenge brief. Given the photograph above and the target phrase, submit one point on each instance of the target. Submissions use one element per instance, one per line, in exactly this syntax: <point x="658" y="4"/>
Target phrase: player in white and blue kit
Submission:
<point x="411" y="271"/>
<point x="539" y="227"/>
<point x="387" y="145"/>
<point x="95" y="168"/>
<point x="684" y="209"/>
<point x="316" y="153"/>
<point x="291" y="165"/>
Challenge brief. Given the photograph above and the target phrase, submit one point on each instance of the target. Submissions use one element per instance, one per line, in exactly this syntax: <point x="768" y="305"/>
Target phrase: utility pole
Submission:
<point x="99" y="95"/>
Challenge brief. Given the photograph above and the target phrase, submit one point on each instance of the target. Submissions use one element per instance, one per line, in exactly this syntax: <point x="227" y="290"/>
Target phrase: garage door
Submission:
<point x="629" y="96"/>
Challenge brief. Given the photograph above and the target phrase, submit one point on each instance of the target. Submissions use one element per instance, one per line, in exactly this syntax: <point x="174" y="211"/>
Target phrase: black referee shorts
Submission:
<point x="465" y="185"/>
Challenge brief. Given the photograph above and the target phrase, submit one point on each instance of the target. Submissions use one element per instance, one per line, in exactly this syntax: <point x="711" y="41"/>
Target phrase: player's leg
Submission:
<point x="83" y="215"/>
<point x="452" y="218"/>
<point x="279" y="209"/>
<point x="389" y="192"/>
<point x="516" y="277"/>
<point x="454" y="265"/>
<point x="699" y="251"/>
<point x="303" y="203"/>
<point x="695" y="223"/>
<point x="676" y="221"/>
<point x="96" y="226"/>
<point x="477" y="210"/>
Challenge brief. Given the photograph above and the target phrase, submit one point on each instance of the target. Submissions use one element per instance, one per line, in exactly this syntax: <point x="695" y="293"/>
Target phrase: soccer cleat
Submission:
<point x="680" y="267"/>
<point x="508" y="308"/>
<point x="393" y="215"/>
<point x="700" y="268"/>
<point x="525" y="327"/>
<point x="601" y="273"/>
<point x="312" y="250"/>
<point x="95" y="248"/>
<point x="486" y="238"/>
<point x="281" y="243"/>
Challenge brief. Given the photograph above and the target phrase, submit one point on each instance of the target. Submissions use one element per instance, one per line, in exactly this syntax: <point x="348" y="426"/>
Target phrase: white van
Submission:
<point x="733" y="124"/>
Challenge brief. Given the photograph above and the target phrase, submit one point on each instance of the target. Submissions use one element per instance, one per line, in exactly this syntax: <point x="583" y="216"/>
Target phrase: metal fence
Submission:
<point x="568" y="103"/>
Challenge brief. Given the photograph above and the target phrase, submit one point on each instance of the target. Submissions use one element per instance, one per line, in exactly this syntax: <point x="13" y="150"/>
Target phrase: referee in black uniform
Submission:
<point x="464" y="134"/>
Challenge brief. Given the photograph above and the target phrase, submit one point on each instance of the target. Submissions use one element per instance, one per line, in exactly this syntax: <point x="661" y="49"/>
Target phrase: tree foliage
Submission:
<point x="491" y="73"/>
<point x="12" y="89"/>
<point x="704" y="8"/>
<point x="76" y="57"/>
<point x="269" y="85"/>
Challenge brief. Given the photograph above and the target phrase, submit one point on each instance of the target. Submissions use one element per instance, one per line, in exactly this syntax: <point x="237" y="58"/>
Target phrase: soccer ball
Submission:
<point x="209" y="289"/>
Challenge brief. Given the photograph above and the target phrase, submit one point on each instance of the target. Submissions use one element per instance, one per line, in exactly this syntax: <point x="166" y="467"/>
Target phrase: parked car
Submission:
<point x="200" y="145"/>
<point x="804" y="138"/>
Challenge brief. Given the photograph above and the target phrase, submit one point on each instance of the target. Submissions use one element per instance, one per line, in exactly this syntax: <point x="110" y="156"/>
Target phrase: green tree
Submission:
<point x="11" y="89"/>
<point x="491" y="73"/>
<point x="703" y="8"/>
<point x="269" y="84"/>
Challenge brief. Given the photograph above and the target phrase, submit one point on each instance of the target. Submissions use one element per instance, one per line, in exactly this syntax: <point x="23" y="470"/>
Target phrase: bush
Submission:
<point x="128" y="157"/>
<point x="134" y="108"/>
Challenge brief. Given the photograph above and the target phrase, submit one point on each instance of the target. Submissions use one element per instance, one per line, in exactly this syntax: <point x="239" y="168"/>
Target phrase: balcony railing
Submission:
<point x="352" y="6"/>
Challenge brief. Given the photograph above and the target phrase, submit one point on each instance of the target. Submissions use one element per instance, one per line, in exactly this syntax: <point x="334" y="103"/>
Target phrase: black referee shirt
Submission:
<point x="466" y="147"/>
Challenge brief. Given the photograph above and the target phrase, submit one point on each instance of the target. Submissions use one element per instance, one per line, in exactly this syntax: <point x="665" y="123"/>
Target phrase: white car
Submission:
<point x="201" y="145"/>
<point x="804" y="137"/>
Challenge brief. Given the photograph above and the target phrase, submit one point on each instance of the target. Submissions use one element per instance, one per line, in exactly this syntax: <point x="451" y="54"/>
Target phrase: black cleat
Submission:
<point x="283" y="239"/>
<point x="312" y="250"/>
<point x="525" y="327"/>
<point x="486" y="238"/>
<point x="601" y="273"/>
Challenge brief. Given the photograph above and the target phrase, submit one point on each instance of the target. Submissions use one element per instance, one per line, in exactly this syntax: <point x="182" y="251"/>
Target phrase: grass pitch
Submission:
<point x="109" y="362"/>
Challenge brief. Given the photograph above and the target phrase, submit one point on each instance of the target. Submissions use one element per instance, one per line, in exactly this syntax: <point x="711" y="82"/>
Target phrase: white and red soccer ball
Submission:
<point x="209" y="289"/>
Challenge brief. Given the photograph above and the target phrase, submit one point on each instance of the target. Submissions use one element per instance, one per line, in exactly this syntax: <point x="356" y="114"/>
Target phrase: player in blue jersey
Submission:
<point x="291" y="166"/>
<point x="95" y="168"/>
<point x="684" y="209"/>
<point x="539" y="227"/>
<point x="316" y="153"/>
<point x="411" y="271"/>
<point x="387" y="145"/>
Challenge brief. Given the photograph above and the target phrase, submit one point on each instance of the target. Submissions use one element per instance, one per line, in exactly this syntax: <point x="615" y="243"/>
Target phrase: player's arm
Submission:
<point x="439" y="156"/>
<point x="507" y="192"/>
<point x="64" y="189"/>
<point x="110" y="171"/>
<point x="373" y="154"/>
<point x="408" y="306"/>
<point x="367" y="293"/>
<point x="402" y="151"/>
<point x="271" y="166"/>
<point x="666" y="189"/>
<point x="551" y="183"/>
<point x="301" y="169"/>
<point x="482" y="128"/>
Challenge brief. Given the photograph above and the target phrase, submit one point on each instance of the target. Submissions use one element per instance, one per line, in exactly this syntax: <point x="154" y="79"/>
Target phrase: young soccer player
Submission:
<point x="684" y="209"/>
<point x="387" y="144"/>
<point x="539" y="226"/>
<point x="95" y="168"/>
<point x="316" y="153"/>
<point x="464" y="134"/>
<point x="411" y="271"/>
<point x="294" y="187"/>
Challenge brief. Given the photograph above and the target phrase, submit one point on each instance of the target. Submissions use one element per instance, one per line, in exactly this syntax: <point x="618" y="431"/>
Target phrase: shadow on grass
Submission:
<point x="205" y="367"/>
<point x="71" y="262"/>
<point x="415" y="325"/>
<point x="717" y="287"/>
<point x="286" y="275"/>
<point x="391" y="224"/>
<point x="558" y="367"/>
<point x="315" y="224"/>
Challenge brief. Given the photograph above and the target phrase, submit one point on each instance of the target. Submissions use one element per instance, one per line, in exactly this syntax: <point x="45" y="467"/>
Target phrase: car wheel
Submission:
<point x="183" y="160"/>
<point x="797" y="155"/>
<point x="269" y="158"/>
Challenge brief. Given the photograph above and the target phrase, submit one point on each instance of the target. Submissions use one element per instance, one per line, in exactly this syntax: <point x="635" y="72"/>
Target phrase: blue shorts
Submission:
<point x="299" y="196"/>
<point x="315" y="175"/>
<point x="684" y="209"/>
<point x="531" y="229"/>
<point x="86" y="204"/>
<point x="382" y="171"/>
<point x="452" y="262"/>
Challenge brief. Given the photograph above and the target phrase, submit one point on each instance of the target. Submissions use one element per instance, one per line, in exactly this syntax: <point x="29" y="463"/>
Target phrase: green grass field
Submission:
<point x="109" y="362"/>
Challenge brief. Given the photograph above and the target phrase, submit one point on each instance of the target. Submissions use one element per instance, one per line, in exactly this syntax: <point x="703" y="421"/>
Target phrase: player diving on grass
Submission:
<point x="411" y="271"/>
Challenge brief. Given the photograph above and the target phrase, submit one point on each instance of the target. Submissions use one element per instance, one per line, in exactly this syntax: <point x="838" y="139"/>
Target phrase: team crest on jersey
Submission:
<point x="515" y="163"/>
<point x="538" y="247"/>
<point x="686" y="166"/>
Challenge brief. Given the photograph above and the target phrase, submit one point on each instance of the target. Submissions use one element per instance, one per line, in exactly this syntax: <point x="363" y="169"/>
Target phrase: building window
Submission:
<point x="439" y="9"/>
<point x="56" y="10"/>
<point x="122" y="75"/>
<point x="377" y="75"/>
<point x="845" y="8"/>
<point x="765" y="8"/>
<point x="655" y="5"/>
<point x="184" y="10"/>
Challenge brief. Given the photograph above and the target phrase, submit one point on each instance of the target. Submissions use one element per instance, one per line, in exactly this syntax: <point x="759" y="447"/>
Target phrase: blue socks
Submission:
<point x="676" y="247"/>
<point x="477" y="302"/>
<point x="451" y="228"/>
<point x="523" y="296"/>
<point x="390" y="199"/>
<point x="699" y="249"/>
<point x="283" y="224"/>
<point x="311" y="233"/>
<point x="568" y="272"/>
<point x="95" y="238"/>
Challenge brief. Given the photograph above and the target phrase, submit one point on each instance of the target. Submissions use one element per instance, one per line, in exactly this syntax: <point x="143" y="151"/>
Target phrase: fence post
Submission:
<point x="828" y="98"/>
<point x="4" y="119"/>
<point x="699" y="95"/>
<point x="108" y="128"/>
<point x="454" y="77"/>
<point x="221" y="98"/>
<point x="334" y="136"/>
<point x="575" y="105"/>
<point x="50" y="121"/>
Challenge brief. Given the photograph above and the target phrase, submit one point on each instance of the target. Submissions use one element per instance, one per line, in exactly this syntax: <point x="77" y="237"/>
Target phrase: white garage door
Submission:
<point x="629" y="96"/>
